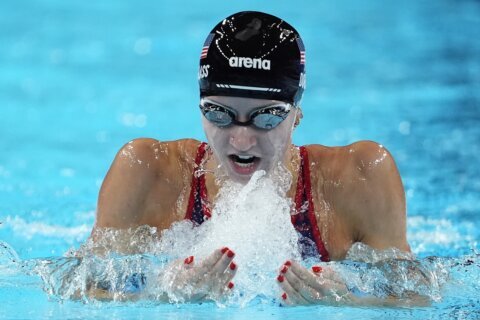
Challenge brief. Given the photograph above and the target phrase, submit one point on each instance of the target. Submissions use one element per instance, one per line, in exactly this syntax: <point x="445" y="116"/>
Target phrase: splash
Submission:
<point x="254" y="221"/>
<point x="9" y="259"/>
<point x="392" y="273"/>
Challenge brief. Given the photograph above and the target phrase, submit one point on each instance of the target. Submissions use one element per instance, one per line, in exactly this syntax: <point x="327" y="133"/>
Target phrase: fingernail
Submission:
<point x="317" y="269"/>
<point x="284" y="269"/>
<point x="230" y="285"/>
<point x="224" y="249"/>
<point x="280" y="278"/>
<point x="284" y="296"/>
<point x="188" y="260"/>
<point x="230" y="254"/>
<point x="232" y="266"/>
<point x="288" y="263"/>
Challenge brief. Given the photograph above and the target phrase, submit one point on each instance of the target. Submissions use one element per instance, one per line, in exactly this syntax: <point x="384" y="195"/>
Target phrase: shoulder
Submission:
<point x="362" y="168"/>
<point x="371" y="159"/>
<point x="357" y="159"/>
<point x="151" y="154"/>
<point x="363" y="185"/>
<point x="142" y="169"/>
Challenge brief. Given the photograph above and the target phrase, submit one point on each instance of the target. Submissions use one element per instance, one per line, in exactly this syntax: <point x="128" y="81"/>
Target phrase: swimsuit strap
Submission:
<point x="198" y="208"/>
<point x="304" y="219"/>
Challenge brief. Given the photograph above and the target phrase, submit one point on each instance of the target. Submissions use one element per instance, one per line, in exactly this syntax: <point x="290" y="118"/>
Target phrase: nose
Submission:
<point x="242" y="138"/>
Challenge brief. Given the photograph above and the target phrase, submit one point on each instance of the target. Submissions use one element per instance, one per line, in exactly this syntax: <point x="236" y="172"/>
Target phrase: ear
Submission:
<point x="298" y="116"/>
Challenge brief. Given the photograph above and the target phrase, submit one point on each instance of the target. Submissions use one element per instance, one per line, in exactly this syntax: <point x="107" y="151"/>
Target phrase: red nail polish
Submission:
<point x="224" y="249"/>
<point x="317" y="269"/>
<point x="284" y="296"/>
<point x="284" y="269"/>
<point x="230" y="254"/>
<point x="280" y="278"/>
<point x="188" y="260"/>
<point x="230" y="285"/>
<point x="232" y="266"/>
<point x="288" y="263"/>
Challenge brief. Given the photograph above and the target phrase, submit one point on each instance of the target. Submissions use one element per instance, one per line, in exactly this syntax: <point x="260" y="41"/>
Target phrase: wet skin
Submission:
<point x="357" y="191"/>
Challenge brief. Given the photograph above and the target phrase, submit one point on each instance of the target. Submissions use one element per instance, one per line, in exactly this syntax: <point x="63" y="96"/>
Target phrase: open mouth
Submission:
<point x="244" y="164"/>
<point x="243" y="161"/>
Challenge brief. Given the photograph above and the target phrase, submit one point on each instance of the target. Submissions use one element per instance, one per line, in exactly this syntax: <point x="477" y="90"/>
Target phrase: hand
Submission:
<point x="304" y="287"/>
<point x="187" y="281"/>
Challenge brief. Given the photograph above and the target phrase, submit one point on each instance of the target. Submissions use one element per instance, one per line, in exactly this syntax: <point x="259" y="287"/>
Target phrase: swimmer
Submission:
<point x="252" y="78"/>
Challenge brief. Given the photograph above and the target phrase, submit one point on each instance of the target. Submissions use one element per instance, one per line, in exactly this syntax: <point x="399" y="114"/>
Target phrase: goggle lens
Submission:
<point x="266" y="118"/>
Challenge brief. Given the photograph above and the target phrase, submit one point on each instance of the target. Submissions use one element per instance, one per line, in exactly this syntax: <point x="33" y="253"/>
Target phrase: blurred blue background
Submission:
<point x="79" y="79"/>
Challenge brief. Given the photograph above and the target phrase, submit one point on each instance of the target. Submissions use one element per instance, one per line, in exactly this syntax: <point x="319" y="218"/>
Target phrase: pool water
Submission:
<point x="80" y="79"/>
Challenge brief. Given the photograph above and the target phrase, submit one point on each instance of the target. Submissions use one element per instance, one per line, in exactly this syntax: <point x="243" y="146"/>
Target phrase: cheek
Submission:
<point x="281" y="136"/>
<point x="216" y="137"/>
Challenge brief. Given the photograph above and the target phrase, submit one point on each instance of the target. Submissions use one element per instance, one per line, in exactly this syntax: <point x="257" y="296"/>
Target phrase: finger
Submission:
<point x="225" y="283"/>
<point x="229" y="273"/>
<point x="210" y="270"/>
<point x="329" y="278"/>
<point x="307" y="277"/>
<point x="206" y="266"/>
<point x="223" y="264"/>
<point x="220" y="278"/>
<point x="306" y="291"/>
<point x="210" y="261"/>
<point x="285" y="300"/>
<point x="189" y="262"/>
<point x="223" y="272"/>
<point x="293" y="296"/>
<point x="327" y="273"/>
<point x="321" y="278"/>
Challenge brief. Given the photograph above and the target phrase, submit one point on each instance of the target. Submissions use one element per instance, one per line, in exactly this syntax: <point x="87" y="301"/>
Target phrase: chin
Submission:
<point x="240" y="179"/>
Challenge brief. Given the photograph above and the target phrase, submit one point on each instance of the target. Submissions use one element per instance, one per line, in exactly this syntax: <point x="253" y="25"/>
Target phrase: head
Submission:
<point x="252" y="77"/>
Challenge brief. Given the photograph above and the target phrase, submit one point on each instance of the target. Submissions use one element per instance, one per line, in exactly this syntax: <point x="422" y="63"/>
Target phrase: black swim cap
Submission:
<point x="255" y="55"/>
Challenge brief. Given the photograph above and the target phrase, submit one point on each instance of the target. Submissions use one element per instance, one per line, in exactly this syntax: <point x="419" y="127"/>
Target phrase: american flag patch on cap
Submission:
<point x="301" y="47"/>
<point x="206" y="45"/>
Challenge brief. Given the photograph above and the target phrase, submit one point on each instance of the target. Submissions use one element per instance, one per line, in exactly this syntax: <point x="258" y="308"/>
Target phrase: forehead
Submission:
<point x="241" y="103"/>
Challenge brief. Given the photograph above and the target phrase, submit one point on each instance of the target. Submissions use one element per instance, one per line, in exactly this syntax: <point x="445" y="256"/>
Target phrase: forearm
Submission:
<point x="383" y="282"/>
<point x="393" y="282"/>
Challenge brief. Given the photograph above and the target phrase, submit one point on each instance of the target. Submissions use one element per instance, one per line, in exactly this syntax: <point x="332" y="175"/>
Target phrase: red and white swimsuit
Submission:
<point x="304" y="220"/>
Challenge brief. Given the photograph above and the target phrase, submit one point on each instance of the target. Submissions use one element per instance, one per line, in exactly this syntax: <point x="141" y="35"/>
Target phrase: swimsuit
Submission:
<point x="199" y="210"/>
<point x="303" y="220"/>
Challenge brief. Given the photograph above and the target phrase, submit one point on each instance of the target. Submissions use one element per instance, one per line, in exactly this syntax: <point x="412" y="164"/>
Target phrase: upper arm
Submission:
<point x="121" y="201"/>
<point x="376" y="197"/>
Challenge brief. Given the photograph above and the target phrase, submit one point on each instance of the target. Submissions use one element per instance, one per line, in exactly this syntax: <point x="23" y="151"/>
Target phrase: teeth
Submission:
<point x="244" y="165"/>
<point x="244" y="157"/>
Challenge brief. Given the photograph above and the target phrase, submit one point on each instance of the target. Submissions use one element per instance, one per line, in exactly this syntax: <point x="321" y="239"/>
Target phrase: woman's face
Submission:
<point x="242" y="150"/>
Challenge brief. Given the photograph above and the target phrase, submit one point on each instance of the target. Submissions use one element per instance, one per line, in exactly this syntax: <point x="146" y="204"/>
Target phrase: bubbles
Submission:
<point x="254" y="221"/>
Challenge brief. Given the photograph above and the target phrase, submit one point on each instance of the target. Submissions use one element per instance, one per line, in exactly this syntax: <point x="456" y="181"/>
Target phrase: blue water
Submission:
<point x="79" y="79"/>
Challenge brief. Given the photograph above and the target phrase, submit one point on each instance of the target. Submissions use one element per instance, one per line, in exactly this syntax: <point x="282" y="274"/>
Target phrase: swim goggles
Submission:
<point x="265" y="118"/>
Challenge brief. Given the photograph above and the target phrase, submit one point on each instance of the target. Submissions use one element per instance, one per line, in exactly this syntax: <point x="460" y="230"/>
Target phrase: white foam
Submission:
<point x="254" y="221"/>
<point x="423" y="233"/>
<point x="37" y="228"/>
